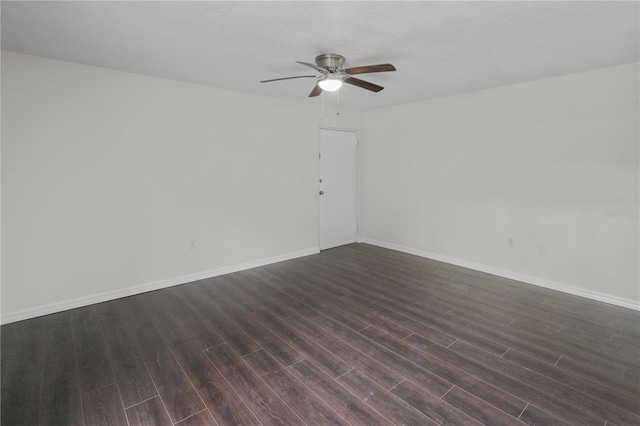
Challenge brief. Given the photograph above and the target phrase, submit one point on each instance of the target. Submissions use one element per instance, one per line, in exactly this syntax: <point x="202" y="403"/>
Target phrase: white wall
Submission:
<point x="541" y="162"/>
<point x="107" y="176"/>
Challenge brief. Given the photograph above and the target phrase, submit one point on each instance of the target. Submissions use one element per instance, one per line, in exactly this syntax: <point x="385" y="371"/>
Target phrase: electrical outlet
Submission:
<point x="193" y="244"/>
<point x="511" y="242"/>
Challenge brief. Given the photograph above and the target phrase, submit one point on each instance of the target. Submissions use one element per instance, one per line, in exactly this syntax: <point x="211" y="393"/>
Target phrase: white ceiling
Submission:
<point x="439" y="48"/>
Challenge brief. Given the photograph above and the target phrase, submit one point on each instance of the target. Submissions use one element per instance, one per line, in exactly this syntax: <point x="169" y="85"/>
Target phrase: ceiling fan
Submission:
<point x="332" y="75"/>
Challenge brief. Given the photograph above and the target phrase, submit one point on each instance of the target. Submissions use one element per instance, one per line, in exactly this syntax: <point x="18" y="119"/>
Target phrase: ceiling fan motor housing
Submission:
<point x="330" y="61"/>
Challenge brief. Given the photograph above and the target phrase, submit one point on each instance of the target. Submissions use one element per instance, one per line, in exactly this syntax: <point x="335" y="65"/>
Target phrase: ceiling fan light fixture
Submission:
<point x="330" y="84"/>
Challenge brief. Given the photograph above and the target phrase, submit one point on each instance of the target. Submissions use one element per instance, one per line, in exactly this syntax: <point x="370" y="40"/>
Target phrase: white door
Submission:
<point x="338" y="224"/>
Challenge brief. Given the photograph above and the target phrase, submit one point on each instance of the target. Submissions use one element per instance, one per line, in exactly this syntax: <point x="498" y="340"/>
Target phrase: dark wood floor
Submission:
<point x="356" y="335"/>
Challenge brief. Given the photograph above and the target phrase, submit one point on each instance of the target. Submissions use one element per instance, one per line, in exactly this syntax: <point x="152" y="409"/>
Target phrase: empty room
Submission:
<point x="320" y="213"/>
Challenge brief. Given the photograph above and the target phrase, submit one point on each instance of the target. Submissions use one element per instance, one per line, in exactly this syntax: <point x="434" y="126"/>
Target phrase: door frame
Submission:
<point x="357" y="173"/>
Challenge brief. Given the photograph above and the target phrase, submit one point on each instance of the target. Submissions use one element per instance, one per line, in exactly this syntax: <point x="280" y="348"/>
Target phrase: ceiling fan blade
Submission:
<point x="363" y="84"/>
<point x="289" y="78"/>
<point x="370" y="68"/>
<point x="316" y="91"/>
<point x="315" y="67"/>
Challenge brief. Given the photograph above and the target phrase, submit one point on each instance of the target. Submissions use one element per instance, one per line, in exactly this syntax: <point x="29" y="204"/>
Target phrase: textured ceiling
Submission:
<point x="439" y="48"/>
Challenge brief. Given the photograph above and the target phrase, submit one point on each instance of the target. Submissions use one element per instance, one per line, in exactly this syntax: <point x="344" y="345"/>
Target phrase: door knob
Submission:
<point x="321" y="192"/>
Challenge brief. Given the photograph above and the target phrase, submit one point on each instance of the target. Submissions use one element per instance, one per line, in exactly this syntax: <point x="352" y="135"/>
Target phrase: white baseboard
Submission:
<point x="143" y="288"/>
<point x="601" y="297"/>
<point x="341" y="243"/>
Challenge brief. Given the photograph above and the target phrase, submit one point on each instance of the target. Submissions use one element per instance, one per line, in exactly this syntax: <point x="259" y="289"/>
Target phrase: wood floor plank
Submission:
<point x="320" y="356"/>
<point x="500" y="334"/>
<point x="163" y="314"/>
<point x="346" y="404"/>
<point x="391" y="301"/>
<point x="94" y="368"/>
<point x="224" y="404"/>
<point x="387" y="404"/>
<point x="533" y="319"/>
<point x="400" y="286"/>
<point x="375" y="314"/>
<point x="233" y="335"/>
<point x="377" y="371"/>
<point x="22" y="345"/>
<point x="478" y="409"/>
<point x="311" y="409"/>
<point x="607" y="374"/>
<point x="474" y="289"/>
<point x="130" y="371"/>
<point x="148" y="413"/>
<point x="251" y="293"/>
<point x="424" y="316"/>
<point x="606" y="392"/>
<point x="291" y="306"/>
<point x="203" y="418"/>
<point x="323" y="305"/>
<point x="179" y="396"/>
<point x="60" y="401"/>
<point x="219" y="397"/>
<point x="141" y="329"/>
<point x="450" y="372"/>
<point x="353" y="278"/>
<point x="630" y="378"/>
<point x="430" y="382"/>
<point x="133" y="379"/>
<point x="349" y="309"/>
<point x="596" y="399"/>
<point x="389" y="316"/>
<point x="265" y="404"/>
<point x="522" y="390"/>
<point x="225" y="295"/>
<point x="325" y="302"/>
<point x="431" y="406"/>
<point x="534" y="416"/>
<point x="102" y="407"/>
<point x="197" y="324"/>
<point x="573" y="343"/>
<point x="279" y="348"/>
<point x="222" y="325"/>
